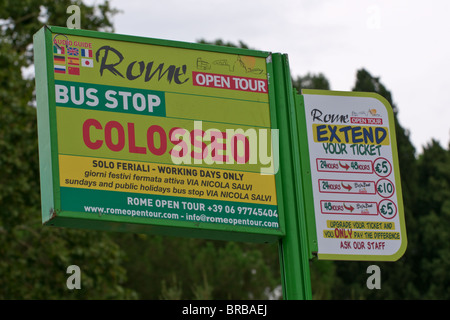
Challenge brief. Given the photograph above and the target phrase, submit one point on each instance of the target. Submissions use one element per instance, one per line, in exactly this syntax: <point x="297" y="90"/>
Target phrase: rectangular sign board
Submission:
<point x="148" y="135"/>
<point x="355" y="178"/>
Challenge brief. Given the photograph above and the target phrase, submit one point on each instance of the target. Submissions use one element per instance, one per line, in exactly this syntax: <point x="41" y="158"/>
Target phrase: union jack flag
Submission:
<point x="72" y="51"/>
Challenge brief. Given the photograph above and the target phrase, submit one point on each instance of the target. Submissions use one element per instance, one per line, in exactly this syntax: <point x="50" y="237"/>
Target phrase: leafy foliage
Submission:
<point x="433" y="214"/>
<point x="311" y="81"/>
<point x="178" y="268"/>
<point x="220" y="42"/>
<point x="34" y="260"/>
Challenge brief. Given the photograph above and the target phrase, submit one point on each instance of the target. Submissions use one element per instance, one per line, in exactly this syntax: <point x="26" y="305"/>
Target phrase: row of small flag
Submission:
<point x="73" y="60"/>
<point x="72" y="51"/>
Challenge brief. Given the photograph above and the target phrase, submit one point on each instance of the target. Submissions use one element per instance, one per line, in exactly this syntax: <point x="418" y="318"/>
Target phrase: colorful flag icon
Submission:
<point x="86" y="53"/>
<point x="74" y="71"/>
<point x="58" y="50"/>
<point x="72" y="51"/>
<point x="73" y="61"/>
<point x="60" y="69"/>
<point x="59" y="59"/>
<point x="87" y="63"/>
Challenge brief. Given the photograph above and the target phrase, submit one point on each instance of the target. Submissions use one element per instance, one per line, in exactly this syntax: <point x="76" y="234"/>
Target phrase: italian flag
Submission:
<point x="58" y="49"/>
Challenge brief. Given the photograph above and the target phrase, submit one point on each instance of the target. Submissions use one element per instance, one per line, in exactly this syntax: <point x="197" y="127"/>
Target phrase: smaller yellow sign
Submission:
<point x="168" y="180"/>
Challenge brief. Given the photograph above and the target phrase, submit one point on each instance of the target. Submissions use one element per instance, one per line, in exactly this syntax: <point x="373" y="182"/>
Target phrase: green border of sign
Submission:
<point x="49" y="163"/>
<point x="301" y="118"/>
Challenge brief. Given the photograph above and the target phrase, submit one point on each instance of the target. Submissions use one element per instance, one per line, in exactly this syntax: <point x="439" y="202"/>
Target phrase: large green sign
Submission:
<point x="156" y="136"/>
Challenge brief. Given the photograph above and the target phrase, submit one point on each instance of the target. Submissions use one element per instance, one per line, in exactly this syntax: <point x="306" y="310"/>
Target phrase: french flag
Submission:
<point x="86" y="53"/>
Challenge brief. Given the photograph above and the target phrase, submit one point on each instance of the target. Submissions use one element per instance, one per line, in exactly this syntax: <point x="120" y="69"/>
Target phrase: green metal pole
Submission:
<point x="293" y="248"/>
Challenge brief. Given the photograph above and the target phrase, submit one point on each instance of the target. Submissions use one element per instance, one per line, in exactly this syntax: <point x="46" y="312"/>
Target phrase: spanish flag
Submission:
<point x="73" y="61"/>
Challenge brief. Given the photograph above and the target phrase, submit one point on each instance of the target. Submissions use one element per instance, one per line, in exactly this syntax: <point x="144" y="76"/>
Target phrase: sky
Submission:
<point x="403" y="42"/>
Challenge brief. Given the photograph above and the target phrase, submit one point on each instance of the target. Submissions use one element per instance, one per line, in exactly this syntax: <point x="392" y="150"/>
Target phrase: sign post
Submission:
<point x="294" y="253"/>
<point x="354" y="176"/>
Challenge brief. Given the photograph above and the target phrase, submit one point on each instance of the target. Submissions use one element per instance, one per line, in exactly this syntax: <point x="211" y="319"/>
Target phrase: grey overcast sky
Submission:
<point x="404" y="42"/>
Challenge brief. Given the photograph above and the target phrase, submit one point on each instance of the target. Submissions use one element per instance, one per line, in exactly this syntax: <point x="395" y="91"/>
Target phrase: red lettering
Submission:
<point x="151" y="140"/>
<point x="115" y="136"/>
<point x="109" y="137"/>
<point x="234" y="148"/>
<point x="223" y="81"/>
<point x="215" y="146"/>
<point x="86" y="134"/>
<point x="132" y="141"/>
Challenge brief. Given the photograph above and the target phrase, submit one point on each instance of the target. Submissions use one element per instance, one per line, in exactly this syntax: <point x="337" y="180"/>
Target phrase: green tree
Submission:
<point x="180" y="268"/>
<point x="220" y="42"/>
<point x="34" y="259"/>
<point x="433" y="215"/>
<point x="311" y="81"/>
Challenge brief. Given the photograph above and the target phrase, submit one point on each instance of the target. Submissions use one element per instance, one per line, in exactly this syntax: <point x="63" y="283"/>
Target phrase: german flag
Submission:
<point x="59" y="60"/>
